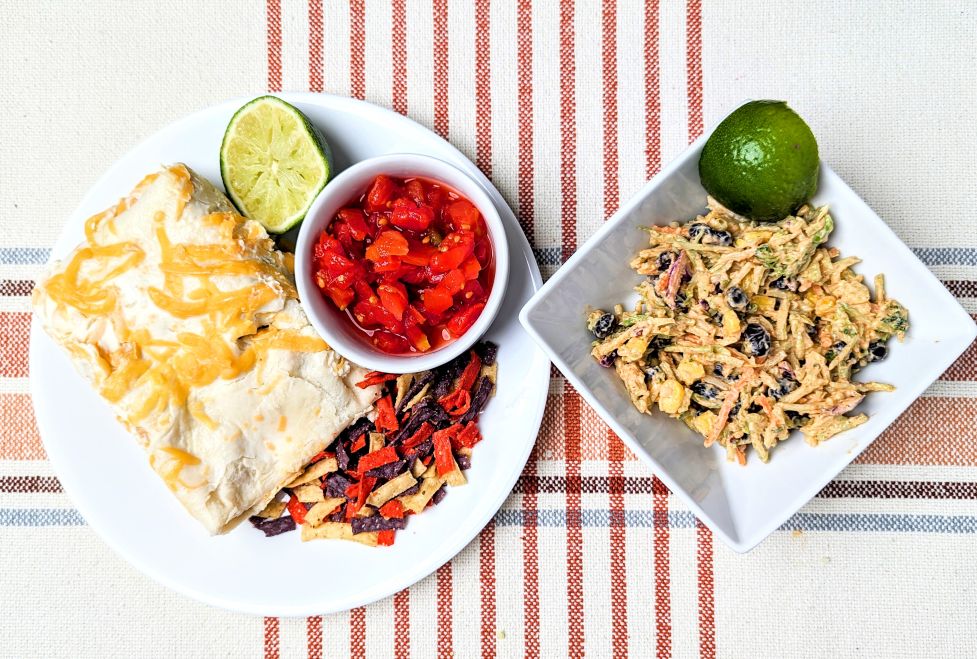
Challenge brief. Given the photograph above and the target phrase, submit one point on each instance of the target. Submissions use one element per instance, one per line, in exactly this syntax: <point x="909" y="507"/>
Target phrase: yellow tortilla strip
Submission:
<point x="317" y="470"/>
<point x="322" y="510"/>
<point x="390" y="489"/>
<point x="338" y="531"/>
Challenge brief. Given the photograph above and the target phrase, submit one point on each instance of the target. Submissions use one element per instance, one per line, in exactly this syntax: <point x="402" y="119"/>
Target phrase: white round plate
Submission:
<point x="106" y="473"/>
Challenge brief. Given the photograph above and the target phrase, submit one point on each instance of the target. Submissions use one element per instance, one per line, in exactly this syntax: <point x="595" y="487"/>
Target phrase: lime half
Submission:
<point x="273" y="163"/>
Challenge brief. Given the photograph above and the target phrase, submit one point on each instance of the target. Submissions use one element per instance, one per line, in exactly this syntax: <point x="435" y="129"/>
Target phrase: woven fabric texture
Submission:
<point x="569" y="106"/>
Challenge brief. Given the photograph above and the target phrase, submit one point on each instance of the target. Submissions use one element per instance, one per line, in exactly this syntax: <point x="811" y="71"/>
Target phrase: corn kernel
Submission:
<point x="764" y="302"/>
<point x="689" y="371"/>
<point x="825" y="305"/>
<point x="703" y="423"/>
<point x="671" y="397"/>
<point x="731" y="323"/>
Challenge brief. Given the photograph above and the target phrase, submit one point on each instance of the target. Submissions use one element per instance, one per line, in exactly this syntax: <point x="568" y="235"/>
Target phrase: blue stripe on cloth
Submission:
<point x="40" y="517"/>
<point x="946" y="255"/>
<point x="24" y="255"/>
<point x="677" y="519"/>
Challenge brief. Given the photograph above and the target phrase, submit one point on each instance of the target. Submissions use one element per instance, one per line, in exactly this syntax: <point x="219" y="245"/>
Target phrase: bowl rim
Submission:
<point x="321" y="213"/>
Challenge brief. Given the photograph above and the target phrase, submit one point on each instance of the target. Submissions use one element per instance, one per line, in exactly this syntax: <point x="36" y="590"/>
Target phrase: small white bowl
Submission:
<point x="742" y="505"/>
<point x="334" y="325"/>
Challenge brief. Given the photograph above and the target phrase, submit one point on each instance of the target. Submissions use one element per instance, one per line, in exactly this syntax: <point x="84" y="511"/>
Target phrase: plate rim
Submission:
<point x="537" y="378"/>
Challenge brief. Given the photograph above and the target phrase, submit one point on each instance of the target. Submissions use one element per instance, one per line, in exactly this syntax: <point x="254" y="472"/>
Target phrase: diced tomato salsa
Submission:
<point x="410" y="261"/>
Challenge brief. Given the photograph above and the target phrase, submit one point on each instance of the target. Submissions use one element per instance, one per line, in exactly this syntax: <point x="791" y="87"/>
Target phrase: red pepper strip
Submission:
<point x="363" y="489"/>
<point x="457" y="403"/>
<point x="393" y="509"/>
<point x="470" y="373"/>
<point x="420" y="436"/>
<point x="468" y="437"/>
<point x="318" y="456"/>
<point x="444" y="460"/>
<point x="375" y="377"/>
<point x="386" y="418"/>
<point x="385" y="538"/>
<point x="377" y="459"/>
<point x="359" y="443"/>
<point x="296" y="509"/>
<point x="426" y="461"/>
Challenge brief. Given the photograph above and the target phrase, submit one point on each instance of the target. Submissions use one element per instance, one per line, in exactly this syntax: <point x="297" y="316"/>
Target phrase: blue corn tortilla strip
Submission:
<point x="377" y="523"/>
<point x="388" y="471"/>
<point x="423" y="449"/>
<point x="426" y="410"/>
<point x="464" y="462"/>
<point x="479" y="399"/>
<point x="439" y="496"/>
<point x="273" y="527"/>
<point x="342" y="456"/>
<point x="487" y="352"/>
<point x="413" y="489"/>
<point x="415" y="388"/>
<point x="336" y="485"/>
<point x="448" y="373"/>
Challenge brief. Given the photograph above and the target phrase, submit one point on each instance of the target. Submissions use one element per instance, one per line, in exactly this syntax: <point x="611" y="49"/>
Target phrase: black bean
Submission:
<point x="717" y="369"/>
<point x="721" y="238"/>
<point x="756" y="340"/>
<point x="698" y="230"/>
<point x="736" y="298"/>
<point x="877" y="351"/>
<point x="663" y="261"/>
<point x="784" y="284"/>
<point x="608" y="360"/>
<point x="605" y="325"/>
<point x="705" y="390"/>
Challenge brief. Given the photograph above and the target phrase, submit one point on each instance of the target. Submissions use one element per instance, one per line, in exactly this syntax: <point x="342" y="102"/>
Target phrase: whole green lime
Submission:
<point x="761" y="161"/>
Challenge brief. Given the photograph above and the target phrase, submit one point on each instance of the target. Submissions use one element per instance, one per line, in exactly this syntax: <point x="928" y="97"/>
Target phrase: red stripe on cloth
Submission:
<point x="707" y="605"/>
<point x="440" y="8"/>
<point x="483" y="88"/>
<point x="618" y="537"/>
<point x="445" y="608"/>
<point x="568" y="131"/>
<point x="575" y="604"/>
<point x="524" y="29"/>
<point x="273" y="20"/>
<point x="357" y="83"/>
<point x="402" y="624"/>
<point x="398" y="55"/>
<point x="315" y="65"/>
<point x="29" y="484"/>
<point x="271" y="639"/>
<point x="609" y="74"/>
<point x="653" y="144"/>
<point x="663" y="594"/>
<point x="615" y="449"/>
<point x="693" y="66"/>
<point x="15" y="329"/>
<point x="18" y="430"/>
<point x="530" y="555"/>
<point x="918" y="438"/>
<point x="486" y="570"/>
<point x="313" y="630"/>
<point x="357" y="632"/>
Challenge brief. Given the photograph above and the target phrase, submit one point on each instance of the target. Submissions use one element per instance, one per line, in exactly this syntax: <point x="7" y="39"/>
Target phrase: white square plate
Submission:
<point x="742" y="505"/>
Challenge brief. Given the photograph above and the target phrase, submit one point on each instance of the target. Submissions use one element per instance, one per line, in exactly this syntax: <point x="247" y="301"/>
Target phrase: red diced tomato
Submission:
<point x="390" y="343"/>
<point x="463" y="214"/>
<point x="415" y="190"/>
<point x="448" y="259"/>
<point x="372" y="314"/>
<point x="471" y="268"/>
<point x="464" y="319"/>
<point x="415" y="334"/>
<point x="388" y="243"/>
<point x="453" y="282"/>
<point x="437" y="300"/>
<point x="356" y="221"/>
<point x="410" y="215"/>
<point x="393" y="296"/>
<point x="380" y="194"/>
<point x="340" y="295"/>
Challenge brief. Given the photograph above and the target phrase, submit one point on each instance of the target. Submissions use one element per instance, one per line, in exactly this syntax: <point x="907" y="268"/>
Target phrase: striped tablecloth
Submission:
<point x="569" y="107"/>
